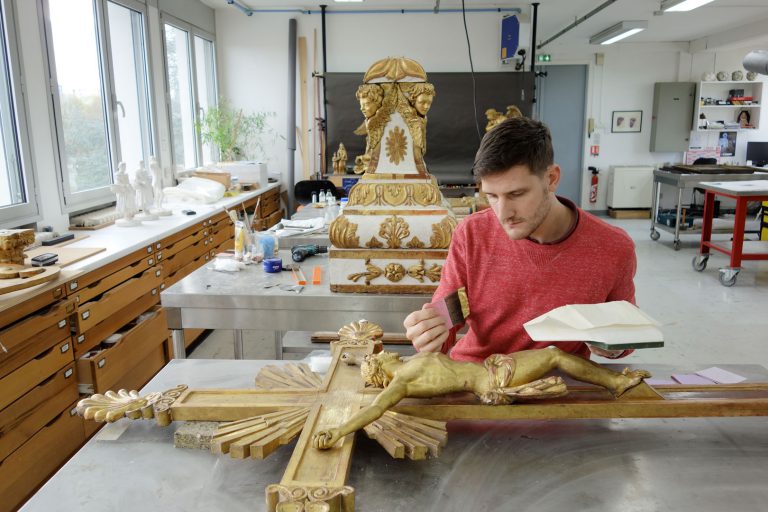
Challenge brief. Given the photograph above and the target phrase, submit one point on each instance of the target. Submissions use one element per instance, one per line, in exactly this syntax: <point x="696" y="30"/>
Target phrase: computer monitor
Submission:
<point x="758" y="153"/>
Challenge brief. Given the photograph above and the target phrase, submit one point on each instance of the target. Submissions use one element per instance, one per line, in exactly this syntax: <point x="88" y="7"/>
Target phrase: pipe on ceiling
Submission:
<point x="577" y="22"/>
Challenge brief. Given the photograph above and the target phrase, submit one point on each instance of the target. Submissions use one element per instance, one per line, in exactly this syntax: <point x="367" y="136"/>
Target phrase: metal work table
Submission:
<point x="682" y="181"/>
<point x="701" y="465"/>
<point x="239" y="301"/>
<point x="738" y="249"/>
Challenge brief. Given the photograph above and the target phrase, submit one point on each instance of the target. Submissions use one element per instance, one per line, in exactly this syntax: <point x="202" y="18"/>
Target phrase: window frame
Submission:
<point x="78" y="201"/>
<point x="193" y="31"/>
<point x="29" y="211"/>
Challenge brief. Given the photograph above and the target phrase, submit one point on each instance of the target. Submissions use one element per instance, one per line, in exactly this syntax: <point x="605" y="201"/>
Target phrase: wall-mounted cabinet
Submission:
<point x="719" y="105"/>
<point x="671" y="116"/>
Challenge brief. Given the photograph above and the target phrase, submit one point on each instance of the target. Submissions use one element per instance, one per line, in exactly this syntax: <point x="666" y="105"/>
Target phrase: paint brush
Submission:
<point x="454" y="307"/>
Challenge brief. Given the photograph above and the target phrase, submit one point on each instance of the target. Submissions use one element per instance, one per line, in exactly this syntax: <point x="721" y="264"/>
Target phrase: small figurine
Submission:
<point x="737" y="75"/>
<point x="144" y="196"/>
<point x="157" y="187"/>
<point x="126" y="198"/>
<point x="340" y="160"/>
<point x="745" y="119"/>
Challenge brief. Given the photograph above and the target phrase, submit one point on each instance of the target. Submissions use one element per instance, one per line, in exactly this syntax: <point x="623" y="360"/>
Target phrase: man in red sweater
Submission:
<point x="528" y="254"/>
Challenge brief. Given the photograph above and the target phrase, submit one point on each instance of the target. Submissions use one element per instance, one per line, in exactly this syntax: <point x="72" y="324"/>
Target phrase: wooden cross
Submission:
<point x="294" y="401"/>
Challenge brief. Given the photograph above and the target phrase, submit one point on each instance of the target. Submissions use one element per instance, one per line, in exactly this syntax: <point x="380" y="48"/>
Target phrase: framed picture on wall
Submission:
<point x="727" y="143"/>
<point x="627" y="121"/>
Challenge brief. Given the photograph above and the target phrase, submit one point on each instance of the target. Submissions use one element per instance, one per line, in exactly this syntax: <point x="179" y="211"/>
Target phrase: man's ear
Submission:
<point x="553" y="177"/>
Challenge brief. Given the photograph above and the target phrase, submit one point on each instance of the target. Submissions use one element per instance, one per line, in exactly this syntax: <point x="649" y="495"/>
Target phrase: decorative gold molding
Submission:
<point x="419" y="272"/>
<point x="394" y="230"/>
<point x="438" y="255"/>
<point x="374" y="243"/>
<point x="162" y="407"/>
<point x="112" y="406"/>
<point x="396" y="145"/>
<point x="394" y="69"/>
<point x="395" y="194"/>
<point x="395" y="272"/>
<point x="415" y="243"/>
<point x="343" y="233"/>
<point x="360" y="333"/>
<point x="442" y="233"/>
<point x="294" y="498"/>
<point x="385" y="288"/>
<point x="372" y="272"/>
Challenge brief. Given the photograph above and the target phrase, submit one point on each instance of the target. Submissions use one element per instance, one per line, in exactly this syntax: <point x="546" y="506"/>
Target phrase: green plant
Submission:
<point x="237" y="135"/>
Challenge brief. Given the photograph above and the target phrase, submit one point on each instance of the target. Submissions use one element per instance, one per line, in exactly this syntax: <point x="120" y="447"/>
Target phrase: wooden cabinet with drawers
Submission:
<point x="269" y="213"/>
<point x="38" y="390"/>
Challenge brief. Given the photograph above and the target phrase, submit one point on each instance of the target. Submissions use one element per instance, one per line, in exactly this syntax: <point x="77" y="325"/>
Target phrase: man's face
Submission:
<point x="520" y="199"/>
<point x="368" y="107"/>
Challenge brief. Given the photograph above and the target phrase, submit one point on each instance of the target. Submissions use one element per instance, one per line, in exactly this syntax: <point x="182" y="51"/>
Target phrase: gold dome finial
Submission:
<point x="395" y="69"/>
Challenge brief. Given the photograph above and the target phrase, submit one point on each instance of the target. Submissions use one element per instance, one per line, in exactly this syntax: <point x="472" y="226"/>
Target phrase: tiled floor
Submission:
<point x="703" y="321"/>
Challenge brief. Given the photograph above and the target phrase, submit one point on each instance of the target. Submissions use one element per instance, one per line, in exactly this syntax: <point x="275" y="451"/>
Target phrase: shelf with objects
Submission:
<point x="728" y="105"/>
<point x="681" y="219"/>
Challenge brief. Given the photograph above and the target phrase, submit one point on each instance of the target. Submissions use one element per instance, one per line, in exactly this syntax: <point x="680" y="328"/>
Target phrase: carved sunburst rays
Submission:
<point x="396" y="145"/>
<point x="403" y="436"/>
<point x="258" y="436"/>
<point x="290" y="376"/>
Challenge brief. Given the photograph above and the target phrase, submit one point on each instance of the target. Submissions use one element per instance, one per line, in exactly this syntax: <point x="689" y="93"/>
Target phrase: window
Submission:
<point x="191" y="69"/>
<point x="97" y="61"/>
<point x="18" y="203"/>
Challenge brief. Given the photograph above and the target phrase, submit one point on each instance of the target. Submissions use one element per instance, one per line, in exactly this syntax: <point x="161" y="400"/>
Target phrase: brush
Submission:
<point x="454" y="307"/>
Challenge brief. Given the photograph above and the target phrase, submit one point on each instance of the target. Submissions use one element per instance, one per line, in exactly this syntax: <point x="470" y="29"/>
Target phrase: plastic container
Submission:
<point x="273" y="265"/>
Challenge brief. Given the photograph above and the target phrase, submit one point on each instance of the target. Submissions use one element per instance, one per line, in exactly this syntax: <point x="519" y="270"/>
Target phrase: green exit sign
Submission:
<point x="544" y="57"/>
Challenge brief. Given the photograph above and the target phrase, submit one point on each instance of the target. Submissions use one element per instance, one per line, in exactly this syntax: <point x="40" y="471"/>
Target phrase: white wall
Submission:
<point x="252" y="55"/>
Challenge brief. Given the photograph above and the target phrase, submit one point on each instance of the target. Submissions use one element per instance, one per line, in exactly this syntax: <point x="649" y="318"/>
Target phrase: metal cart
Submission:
<point x="682" y="181"/>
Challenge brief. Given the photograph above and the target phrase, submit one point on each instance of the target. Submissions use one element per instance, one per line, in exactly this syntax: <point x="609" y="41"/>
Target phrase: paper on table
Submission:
<point x="721" y="376"/>
<point x="692" y="379"/>
<point x="610" y="325"/>
<point x="297" y="227"/>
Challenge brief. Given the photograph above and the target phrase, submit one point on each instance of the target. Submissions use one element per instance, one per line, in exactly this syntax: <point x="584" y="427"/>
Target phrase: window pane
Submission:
<point x="206" y="84"/>
<point x="126" y="37"/>
<point x="180" y="88"/>
<point x="11" y="180"/>
<point x="85" y="152"/>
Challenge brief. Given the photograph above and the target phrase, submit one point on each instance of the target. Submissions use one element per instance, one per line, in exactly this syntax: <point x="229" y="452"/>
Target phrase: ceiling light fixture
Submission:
<point x="682" y="5"/>
<point x="347" y="1"/>
<point x="618" y="32"/>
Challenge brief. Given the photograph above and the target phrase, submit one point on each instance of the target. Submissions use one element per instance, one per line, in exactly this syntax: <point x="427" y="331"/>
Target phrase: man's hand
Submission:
<point x="426" y="329"/>
<point x="609" y="354"/>
<point x="325" y="439"/>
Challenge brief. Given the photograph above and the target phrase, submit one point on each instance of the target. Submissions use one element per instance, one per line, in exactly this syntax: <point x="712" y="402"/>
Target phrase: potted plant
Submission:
<point x="237" y="135"/>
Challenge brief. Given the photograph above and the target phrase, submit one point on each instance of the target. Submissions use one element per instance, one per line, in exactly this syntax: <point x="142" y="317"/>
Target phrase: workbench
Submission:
<point x="701" y="464"/>
<point x="682" y="181"/>
<point x="252" y="299"/>
<point x="737" y="249"/>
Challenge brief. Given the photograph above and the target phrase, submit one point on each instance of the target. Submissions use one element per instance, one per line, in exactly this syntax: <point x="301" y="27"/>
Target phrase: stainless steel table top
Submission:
<point x="633" y="465"/>
<point x="742" y="188"/>
<point x="689" y="180"/>
<point x="218" y="300"/>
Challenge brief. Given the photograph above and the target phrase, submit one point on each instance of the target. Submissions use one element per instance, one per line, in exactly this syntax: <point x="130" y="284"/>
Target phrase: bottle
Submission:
<point x="342" y="203"/>
<point x="314" y="197"/>
<point x="321" y="199"/>
<point x="330" y="199"/>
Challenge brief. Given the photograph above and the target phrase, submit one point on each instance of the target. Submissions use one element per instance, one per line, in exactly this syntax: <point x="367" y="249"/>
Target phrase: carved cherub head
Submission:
<point x="420" y="95"/>
<point x="372" y="369"/>
<point x="370" y="97"/>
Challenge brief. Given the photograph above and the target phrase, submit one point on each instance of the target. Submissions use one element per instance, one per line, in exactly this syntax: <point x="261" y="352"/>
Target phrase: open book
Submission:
<point x="610" y="325"/>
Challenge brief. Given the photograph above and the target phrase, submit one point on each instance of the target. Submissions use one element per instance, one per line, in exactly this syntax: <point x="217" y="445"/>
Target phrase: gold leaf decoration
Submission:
<point x="403" y="435"/>
<point x="395" y="194"/>
<point x="374" y="243"/>
<point x="415" y="243"/>
<point x="112" y="406"/>
<point x="289" y="376"/>
<point x="371" y="273"/>
<point x="442" y="232"/>
<point x="359" y="332"/>
<point x="285" y="498"/>
<point x="394" y="272"/>
<point x="433" y="274"/>
<point x="343" y="233"/>
<point x="396" y="145"/>
<point x="394" y="230"/>
<point x="258" y="436"/>
<point x="417" y="271"/>
<point x="427" y="195"/>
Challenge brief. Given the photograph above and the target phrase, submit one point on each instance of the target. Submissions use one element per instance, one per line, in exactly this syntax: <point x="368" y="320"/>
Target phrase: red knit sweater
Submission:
<point x="512" y="281"/>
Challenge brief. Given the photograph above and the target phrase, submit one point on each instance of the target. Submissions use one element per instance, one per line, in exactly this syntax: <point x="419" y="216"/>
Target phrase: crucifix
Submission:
<point x="293" y="401"/>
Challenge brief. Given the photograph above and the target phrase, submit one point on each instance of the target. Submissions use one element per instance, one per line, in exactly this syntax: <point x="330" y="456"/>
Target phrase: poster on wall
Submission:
<point x="727" y="143"/>
<point x="627" y="121"/>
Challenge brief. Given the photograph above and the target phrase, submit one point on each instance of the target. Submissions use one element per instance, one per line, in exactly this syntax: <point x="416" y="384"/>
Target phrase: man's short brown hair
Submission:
<point x="516" y="141"/>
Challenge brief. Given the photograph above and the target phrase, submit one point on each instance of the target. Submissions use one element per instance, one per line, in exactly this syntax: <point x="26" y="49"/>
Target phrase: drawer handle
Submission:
<point x="73" y="285"/>
<point x="205" y="233"/>
<point x="68" y="373"/>
<point x="3" y="347"/>
<point x="149" y="250"/>
<point x="62" y="323"/>
<point x="157" y="273"/>
<point x="158" y="245"/>
<point x="154" y="291"/>
<point x="162" y="286"/>
<point x="159" y="256"/>
<point x="64" y="348"/>
<point x="85" y="314"/>
<point x="150" y="262"/>
<point x="57" y="293"/>
<point x="80" y="339"/>
<point x="102" y="362"/>
<point x="73" y="411"/>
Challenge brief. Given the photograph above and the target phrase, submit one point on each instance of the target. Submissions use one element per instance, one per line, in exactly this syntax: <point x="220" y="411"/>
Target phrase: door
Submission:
<point x="561" y="105"/>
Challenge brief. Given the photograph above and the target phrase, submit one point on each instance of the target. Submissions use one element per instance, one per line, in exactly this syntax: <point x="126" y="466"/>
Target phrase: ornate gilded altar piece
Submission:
<point x="322" y="412"/>
<point x="495" y="118"/>
<point x="394" y="234"/>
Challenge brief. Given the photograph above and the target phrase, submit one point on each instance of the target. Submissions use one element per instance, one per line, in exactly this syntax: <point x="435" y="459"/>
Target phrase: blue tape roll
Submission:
<point x="272" y="265"/>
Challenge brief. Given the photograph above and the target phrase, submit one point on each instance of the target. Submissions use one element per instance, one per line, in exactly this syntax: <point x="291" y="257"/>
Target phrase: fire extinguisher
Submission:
<point x="593" y="186"/>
